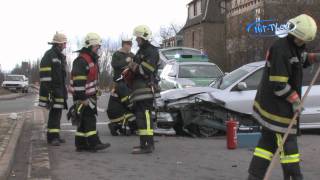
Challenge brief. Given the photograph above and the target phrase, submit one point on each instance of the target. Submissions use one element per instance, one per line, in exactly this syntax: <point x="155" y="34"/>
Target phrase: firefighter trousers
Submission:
<point x="86" y="135"/>
<point x="263" y="153"/>
<point x="142" y="110"/>
<point x="53" y="126"/>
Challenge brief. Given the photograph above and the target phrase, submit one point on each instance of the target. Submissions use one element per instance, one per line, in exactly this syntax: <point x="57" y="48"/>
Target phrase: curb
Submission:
<point x="7" y="158"/>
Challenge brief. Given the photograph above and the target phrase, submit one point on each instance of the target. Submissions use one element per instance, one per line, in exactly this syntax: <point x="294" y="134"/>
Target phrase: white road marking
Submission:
<point x="69" y="124"/>
<point x="101" y="109"/>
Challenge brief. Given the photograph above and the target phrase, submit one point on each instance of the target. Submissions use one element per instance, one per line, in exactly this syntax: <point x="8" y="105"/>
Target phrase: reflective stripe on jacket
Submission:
<point x="52" y="74"/>
<point x="84" y="77"/>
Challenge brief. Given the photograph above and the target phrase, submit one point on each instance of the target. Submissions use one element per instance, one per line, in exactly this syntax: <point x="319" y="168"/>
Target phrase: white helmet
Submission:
<point x="304" y="27"/>
<point x="142" y="31"/>
<point x="58" y="38"/>
<point x="126" y="39"/>
<point x="92" y="39"/>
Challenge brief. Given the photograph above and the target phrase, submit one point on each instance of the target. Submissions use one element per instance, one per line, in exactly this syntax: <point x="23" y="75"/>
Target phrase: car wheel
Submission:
<point x="207" y="131"/>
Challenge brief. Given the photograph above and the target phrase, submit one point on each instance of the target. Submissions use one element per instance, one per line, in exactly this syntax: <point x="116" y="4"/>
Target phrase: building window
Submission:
<point x="194" y="9"/>
<point x="193" y="38"/>
<point x="191" y="11"/>
<point x="222" y="7"/>
<point x="198" y="6"/>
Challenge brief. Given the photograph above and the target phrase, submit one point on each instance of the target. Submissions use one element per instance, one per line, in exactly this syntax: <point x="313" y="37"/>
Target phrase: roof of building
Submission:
<point x="210" y="13"/>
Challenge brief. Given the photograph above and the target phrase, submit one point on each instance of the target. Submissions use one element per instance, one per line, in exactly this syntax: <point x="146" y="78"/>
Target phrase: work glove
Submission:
<point x="98" y="93"/>
<point x="85" y="102"/>
<point x="295" y="107"/>
<point x="295" y="101"/>
<point x="133" y="66"/>
<point x="311" y="57"/>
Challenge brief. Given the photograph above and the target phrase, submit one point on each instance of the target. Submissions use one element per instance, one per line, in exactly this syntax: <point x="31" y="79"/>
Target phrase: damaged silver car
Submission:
<point x="203" y="111"/>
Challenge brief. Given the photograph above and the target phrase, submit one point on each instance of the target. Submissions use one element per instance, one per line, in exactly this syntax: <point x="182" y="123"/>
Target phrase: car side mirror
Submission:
<point x="242" y="86"/>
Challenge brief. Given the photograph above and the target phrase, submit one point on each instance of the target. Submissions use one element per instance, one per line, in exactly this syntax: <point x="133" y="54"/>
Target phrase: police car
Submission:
<point x="186" y="71"/>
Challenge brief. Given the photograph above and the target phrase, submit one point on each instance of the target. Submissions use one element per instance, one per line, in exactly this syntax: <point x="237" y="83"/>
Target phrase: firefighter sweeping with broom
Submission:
<point x="278" y="98"/>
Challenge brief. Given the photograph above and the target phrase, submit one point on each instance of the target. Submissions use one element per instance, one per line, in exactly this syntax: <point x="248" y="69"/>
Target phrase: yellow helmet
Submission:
<point x="305" y="28"/>
<point x="58" y="38"/>
<point x="142" y="31"/>
<point x="92" y="39"/>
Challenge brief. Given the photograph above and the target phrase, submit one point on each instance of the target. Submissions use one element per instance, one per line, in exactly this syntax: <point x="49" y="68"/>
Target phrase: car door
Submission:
<point x="241" y="100"/>
<point x="167" y="78"/>
<point x="310" y="117"/>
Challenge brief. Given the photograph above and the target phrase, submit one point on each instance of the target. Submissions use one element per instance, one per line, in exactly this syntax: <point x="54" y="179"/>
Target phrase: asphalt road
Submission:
<point x="24" y="103"/>
<point x="175" y="158"/>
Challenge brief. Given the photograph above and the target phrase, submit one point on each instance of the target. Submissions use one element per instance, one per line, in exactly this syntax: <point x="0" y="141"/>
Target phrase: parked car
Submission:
<point x="188" y="72"/>
<point x="173" y="53"/>
<point x="205" y="111"/>
<point x="167" y="54"/>
<point x="16" y="82"/>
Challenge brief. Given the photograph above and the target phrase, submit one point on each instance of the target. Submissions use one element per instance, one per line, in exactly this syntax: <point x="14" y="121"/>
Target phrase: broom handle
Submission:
<point x="296" y="114"/>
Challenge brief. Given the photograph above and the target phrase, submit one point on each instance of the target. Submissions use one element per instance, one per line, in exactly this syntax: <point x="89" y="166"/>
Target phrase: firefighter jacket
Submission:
<point x="145" y="77"/>
<point x="53" y="92"/>
<point x="84" y="77"/>
<point x="119" y="62"/>
<point x="282" y="80"/>
<point x="119" y="105"/>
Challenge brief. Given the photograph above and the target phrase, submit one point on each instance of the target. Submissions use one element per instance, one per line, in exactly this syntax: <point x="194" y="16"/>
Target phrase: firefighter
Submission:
<point x="83" y="86"/>
<point x="122" y="120"/>
<point x="53" y="93"/>
<point x="278" y="98"/>
<point x="121" y="58"/>
<point x="118" y="110"/>
<point x="143" y="72"/>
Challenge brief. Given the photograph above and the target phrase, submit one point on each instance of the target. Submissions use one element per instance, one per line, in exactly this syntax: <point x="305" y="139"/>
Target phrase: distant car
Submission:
<point x="231" y="96"/>
<point x="167" y="54"/>
<point x="16" y="82"/>
<point x="189" y="72"/>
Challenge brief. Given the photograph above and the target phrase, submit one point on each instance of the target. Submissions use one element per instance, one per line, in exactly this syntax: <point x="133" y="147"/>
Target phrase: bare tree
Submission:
<point x="109" y="47"/>
<point x="169" y="31"/>
<point x="1" y="75"/>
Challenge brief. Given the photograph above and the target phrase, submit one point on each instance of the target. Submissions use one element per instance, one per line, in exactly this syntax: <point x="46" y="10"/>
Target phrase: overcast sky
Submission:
<point x="27" y="25"/>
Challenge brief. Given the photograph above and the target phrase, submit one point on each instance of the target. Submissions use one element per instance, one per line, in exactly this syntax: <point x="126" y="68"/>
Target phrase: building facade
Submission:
<point x="205" y="29"/>
<point x="240" y="31"/>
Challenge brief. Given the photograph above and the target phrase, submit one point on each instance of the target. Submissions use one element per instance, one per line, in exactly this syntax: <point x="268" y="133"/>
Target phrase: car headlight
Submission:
<point x="185" y="85"/>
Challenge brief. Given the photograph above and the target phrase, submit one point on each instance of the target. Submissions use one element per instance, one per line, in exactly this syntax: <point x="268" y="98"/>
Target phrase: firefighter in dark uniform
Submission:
<point x="121" y="58"/>
<point x="53" y="93"/>
<point x="144" y="68"/>
<point x="83" y="86"/>
<point x="278" y="98"/>
<point x="122" y="120"/>
<point x="118" y="108"/>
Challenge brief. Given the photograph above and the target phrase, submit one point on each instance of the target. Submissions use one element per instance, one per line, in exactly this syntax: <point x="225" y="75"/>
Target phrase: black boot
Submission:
<point x="150" y="142"/>
<point x="294" y="177"/>
<point x="144" y="148"/>
<point x="98" y="147"/>
<point x="251" y="177"/>
<point x="143" y="142"/>
<point x="54" y="142"/>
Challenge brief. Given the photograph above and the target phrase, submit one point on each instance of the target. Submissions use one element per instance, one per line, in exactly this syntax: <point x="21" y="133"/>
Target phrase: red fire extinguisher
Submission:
<point x="232" y="126"/>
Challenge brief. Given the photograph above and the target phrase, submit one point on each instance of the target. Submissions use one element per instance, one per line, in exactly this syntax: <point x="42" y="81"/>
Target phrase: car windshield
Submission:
<point x="170" y="54"/>
<point x="199" y="71"/>
<point x="14" y="78"/>
<point x="227" y="80"/>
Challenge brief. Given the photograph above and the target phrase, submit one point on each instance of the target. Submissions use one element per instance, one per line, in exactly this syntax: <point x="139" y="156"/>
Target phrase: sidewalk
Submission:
<point x="10" y="130"/>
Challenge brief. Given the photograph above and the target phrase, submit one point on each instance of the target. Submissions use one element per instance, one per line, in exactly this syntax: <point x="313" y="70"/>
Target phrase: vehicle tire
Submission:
<point x="207" y="131"/>
<point x="113" y="128"/>
<point x="178" y="126"/>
